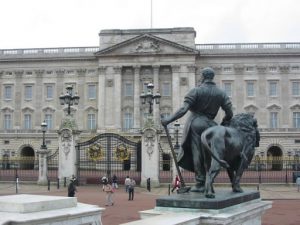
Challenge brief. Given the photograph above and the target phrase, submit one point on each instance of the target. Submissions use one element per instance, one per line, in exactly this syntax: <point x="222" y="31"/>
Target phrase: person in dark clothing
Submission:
<point x="72" y="188"/>
<point x="204" y="102"/>
<point x="115" y="181"/>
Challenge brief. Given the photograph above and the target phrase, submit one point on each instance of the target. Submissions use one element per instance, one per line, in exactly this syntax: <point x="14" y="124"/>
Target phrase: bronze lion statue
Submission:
<point x="231" y="146"/>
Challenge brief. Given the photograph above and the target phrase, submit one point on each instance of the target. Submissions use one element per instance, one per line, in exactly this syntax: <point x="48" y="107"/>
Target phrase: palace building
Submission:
<point x="260" y="78"/>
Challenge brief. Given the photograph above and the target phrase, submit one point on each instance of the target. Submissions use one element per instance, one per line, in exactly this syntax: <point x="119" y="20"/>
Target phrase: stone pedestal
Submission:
<point x="43" y="167"/>
<point x="45" y="210"/>
<point x="150" y="155"/>
<point x="194" y="209"/>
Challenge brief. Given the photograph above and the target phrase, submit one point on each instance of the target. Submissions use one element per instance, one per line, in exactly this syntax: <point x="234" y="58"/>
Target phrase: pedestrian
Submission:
<point x="107" y="188"/>
<point x="126" y="183"/>
<point x="131" y="189"/>
<point x="72" y="187"/>
<point x="115" y="181"/>
<point x="176" y="184"/>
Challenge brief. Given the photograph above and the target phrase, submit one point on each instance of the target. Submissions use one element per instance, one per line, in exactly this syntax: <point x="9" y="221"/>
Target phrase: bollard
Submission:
<point x="17" y="184"/>
<point x="65" y="181"/>
<point x="298" y="183"/>
<point x="48" y="184"/>
<point x="169" y="189"/>
<point x="148" y="184"/>
<point x="57" y="183"/>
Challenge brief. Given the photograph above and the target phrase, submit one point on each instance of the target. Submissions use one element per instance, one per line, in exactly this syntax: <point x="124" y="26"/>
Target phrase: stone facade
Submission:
<point x="261" y="78"/>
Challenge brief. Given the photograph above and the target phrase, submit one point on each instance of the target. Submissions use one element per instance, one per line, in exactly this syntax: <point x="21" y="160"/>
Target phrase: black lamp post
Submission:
<point x="287" y="163"/>
<point x="69" y="99"/>
<point x="176" y="146"/>
<point x="149" y="97"/>
<point x="44" y="128"/>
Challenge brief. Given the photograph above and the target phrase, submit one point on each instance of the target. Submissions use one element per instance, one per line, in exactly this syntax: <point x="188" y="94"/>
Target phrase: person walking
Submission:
<point x="176" y="184"/>
<point x="115" y="181"/>
<point x="72" y="187"/>
<point x="126" y="183"/>
<point x="107" y="188"/>
<point x="204" y="102"/>
<point x="131" y="189"/>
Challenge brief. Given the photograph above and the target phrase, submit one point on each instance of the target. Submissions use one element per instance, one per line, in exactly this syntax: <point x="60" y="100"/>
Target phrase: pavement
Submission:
<point x="285" y="198"/>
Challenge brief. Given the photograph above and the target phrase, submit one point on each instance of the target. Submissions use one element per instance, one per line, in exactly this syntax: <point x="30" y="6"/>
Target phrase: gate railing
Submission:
<point x="261" y="170"/>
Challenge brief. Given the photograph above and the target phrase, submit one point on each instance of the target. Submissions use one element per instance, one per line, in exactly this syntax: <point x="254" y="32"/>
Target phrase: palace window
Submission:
<point x="49" y="92"/>
<point x="27" y="121"/>
<point x="49" y="121"/>
<point x="228" y="88"/>
<point x="296" y="119"/>
<point x="8" y="92"/>
<point x="128" y="120"/>
<point x="91" y="91"/>
<point x="273" y="120"/>
<point x="28" y="92"/>
<point x="91" y="121"/>
<point x="128" y="89"/>
<point x="250" y="89"/>
<point x="7" y="121"/>
<point x="273" y="86"/>
<point x="166" y="89"/>
<point x="296" y="88"/>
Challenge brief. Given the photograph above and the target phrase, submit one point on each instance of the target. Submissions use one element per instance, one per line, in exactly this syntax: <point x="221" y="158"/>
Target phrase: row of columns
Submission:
<point x="110" y="93"/>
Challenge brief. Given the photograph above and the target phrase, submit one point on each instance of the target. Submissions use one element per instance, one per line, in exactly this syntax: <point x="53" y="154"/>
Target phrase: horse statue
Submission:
<point x="231" y="146"/>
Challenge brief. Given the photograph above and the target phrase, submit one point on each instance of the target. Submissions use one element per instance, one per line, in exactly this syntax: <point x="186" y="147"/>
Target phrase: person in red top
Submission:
<point x="176" y="184"/>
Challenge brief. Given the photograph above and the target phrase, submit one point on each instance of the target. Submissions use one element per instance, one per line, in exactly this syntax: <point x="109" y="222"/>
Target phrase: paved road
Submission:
<point x="285" y="210"/>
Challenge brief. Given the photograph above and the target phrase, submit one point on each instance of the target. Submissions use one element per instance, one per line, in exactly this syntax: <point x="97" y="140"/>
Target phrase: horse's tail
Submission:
<point x="207" y="135"/>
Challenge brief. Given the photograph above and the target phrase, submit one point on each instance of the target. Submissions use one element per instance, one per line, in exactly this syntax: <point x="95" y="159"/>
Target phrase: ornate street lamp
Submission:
<point x="69" y="99"/>
<point x="176" y="146"/>
<point x="44" y="128"/>
<point x="149" y="97"/>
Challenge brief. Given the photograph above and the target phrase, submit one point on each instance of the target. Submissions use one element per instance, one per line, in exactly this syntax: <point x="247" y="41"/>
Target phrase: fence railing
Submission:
<point x="261" y="170"/>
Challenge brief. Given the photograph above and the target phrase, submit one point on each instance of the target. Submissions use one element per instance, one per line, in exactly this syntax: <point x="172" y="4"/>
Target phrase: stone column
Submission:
<point x="192" y="76"/>
<point x="136" y="110"/>
<point x="118" y="97"/>
<point x="150" y="157"/>
<point x="43" y="166"/>
<point x="68" y="135"/>
<point x="176" y="98"/>
<point x="101" y="99"/>
<point x="156" y="116"/>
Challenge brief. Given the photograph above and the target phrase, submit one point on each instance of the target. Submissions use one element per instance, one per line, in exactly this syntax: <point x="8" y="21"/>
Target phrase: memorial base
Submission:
<point x="44" y="210"/>
<point x="194" y="209"/>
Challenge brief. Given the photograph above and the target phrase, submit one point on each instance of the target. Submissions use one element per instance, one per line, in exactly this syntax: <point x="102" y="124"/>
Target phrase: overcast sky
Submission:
<point x="77" y="23"/>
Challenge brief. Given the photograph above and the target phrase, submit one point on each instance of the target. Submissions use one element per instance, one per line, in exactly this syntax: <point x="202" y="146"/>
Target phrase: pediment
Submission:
<point x="27" y="109"/>
<point x="90" y="109"/>
<point x="295" y="107"/>
<point x="250" y="108"/>
<point x="146" y="44"/>
<point x="48" y="109"/>
<point x="273" y="107"/>
<point x="7" y="109"/>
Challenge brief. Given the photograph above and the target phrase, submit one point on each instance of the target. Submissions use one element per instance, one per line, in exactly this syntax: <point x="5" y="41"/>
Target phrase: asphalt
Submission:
<point x="285" y="209"/>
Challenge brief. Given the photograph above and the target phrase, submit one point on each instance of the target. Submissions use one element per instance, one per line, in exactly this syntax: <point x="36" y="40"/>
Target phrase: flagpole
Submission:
<point x="151" y="16"/>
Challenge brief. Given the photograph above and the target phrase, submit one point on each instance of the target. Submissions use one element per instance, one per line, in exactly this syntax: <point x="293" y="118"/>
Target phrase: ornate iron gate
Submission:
<point x="108" y="154"/>
<point x="52" y="161"/>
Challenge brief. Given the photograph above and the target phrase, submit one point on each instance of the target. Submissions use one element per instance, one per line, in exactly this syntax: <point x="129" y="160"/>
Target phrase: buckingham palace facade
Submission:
<point x="260" y="78"/>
